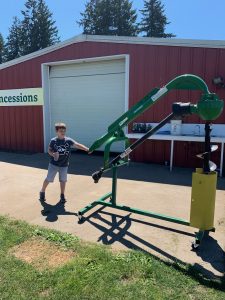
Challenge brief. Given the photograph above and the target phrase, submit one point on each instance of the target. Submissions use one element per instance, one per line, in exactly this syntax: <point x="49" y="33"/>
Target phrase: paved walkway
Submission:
<point x="153" y="187"/>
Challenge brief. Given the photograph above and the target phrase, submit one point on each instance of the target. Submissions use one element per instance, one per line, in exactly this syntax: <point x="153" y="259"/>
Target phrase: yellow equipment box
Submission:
<point x="203" y="199"/>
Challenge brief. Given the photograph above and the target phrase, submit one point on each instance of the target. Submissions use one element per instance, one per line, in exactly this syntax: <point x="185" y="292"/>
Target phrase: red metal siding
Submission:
<point x="22" y="128"/>
<point x="150" y="66"/>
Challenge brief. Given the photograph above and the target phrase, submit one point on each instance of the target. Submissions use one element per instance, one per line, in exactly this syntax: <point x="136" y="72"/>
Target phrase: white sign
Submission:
<point x="21" y="97"/>
<point x="159" y="94"/>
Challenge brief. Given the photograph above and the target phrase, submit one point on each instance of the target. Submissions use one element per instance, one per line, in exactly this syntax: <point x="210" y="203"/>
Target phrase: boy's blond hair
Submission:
<point x="59" y="125"/>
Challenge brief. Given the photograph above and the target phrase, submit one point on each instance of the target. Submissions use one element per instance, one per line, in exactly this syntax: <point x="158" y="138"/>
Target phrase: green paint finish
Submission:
<point x="108" y="145"/>
<point x="145" y="213"/>
<point x="93" y="204"/>
<point x="188" y="82"/>
<point x="210" y="107"/>
<point x="112" y="203"/>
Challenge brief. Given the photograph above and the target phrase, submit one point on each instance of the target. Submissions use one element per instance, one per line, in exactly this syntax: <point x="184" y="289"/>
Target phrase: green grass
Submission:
<point x="95" y="272"/>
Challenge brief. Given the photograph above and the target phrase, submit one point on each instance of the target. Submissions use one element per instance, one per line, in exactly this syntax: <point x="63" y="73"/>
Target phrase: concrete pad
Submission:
<point x="19" y="190"/>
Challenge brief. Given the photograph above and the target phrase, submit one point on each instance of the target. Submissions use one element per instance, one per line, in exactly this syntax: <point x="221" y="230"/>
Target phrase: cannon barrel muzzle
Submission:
<point x="97" y="175"/>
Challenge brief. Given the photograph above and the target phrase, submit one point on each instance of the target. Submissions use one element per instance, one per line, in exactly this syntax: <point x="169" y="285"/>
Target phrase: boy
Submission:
<point x="59" y="150"/>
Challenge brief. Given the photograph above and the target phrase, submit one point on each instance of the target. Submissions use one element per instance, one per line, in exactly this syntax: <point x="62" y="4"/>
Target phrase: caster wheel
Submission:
<point x="195" y="245"/>
<point x="81" y="218"/>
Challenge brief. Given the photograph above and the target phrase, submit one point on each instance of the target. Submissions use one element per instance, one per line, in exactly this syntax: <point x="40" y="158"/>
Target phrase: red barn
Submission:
<point x="88" y="81"/>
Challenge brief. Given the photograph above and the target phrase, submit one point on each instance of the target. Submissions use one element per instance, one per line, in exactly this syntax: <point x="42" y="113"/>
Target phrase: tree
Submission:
<point x="12" y="47"/>
<point x="1" y="48"/>
<point x="109" y="17"/>
<point x="124" y="18"/>
<point x="89" y="20"/>
<point x="38" y="29"/>
<point x="35" y="31"/>
<point x="154" y="20"/>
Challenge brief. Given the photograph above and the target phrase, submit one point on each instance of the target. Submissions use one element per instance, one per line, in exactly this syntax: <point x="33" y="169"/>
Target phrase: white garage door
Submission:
<point x="88" y="97"/>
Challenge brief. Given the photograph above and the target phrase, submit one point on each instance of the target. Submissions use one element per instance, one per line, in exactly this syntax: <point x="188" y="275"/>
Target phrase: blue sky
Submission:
<point x="194" y="19"/>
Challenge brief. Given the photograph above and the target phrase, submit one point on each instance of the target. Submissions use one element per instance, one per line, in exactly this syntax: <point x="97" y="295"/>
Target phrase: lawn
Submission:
<point x="37" y="263"/>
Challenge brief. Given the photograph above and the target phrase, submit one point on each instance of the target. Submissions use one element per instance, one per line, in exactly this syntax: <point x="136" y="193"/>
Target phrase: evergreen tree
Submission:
<point x="38" y="29"/>
<point x="109" y="17"/>
<point x="1" y="48"/>
<point x="103" y="17"/>
<point x="93" y="20"/>
<point x="154" y="20"/>
<point x="124" y="18"/>
<point x="12" y="47"/>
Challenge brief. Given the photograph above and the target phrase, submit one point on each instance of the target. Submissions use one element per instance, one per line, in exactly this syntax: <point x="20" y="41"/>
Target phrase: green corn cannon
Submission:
<point x="208" y="108"/>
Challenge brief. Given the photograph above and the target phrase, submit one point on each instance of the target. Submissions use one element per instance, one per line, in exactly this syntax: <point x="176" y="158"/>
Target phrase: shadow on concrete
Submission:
<point x="83" y="164"/>
<point x="216" y="255"/>
<point x="51" y="212"/>
<point x="117" y="230"/>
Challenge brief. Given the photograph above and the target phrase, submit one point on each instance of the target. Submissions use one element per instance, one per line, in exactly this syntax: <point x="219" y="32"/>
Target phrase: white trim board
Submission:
<point x="119" y="39"/>
<point x="46" y="87"/>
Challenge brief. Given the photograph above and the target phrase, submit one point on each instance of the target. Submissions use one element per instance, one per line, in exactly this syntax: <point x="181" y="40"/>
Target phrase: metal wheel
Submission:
<point x="81" y="218"/>
<point x="195" y="245"/>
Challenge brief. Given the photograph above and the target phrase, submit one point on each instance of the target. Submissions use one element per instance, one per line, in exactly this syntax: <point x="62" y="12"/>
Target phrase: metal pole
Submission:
<point x="114" y="186"/>
<point x="221" y="159"/>
<point x="98" y="174"/>
<point x="206" y="166"/>
<point x="141" y="140"/>
<point x="171" y="155"/>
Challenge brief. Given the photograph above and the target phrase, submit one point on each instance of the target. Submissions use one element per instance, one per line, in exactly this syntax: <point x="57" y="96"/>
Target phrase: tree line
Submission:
<point x="37" y="29"/>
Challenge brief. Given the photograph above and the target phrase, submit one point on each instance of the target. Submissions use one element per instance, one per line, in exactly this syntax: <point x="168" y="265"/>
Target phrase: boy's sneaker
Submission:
<point x="62" y="198"/>
<point x="42" y="196"/>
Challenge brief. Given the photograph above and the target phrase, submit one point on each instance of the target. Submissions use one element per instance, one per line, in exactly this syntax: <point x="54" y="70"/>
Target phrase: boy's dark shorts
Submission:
<point x="53" y="170"/>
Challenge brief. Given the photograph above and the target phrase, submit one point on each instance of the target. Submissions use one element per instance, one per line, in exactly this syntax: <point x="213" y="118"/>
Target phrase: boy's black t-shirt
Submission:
<point x="63" y="147"/>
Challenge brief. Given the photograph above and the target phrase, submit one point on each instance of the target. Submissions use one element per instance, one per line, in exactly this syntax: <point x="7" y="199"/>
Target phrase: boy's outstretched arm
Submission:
<point x="81" y="146"/>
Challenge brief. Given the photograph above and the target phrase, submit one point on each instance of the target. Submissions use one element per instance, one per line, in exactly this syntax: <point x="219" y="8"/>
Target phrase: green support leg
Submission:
<point x="145" y="213"/>
<point x="82" y="211"/>
<point x="112" y="203"/>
